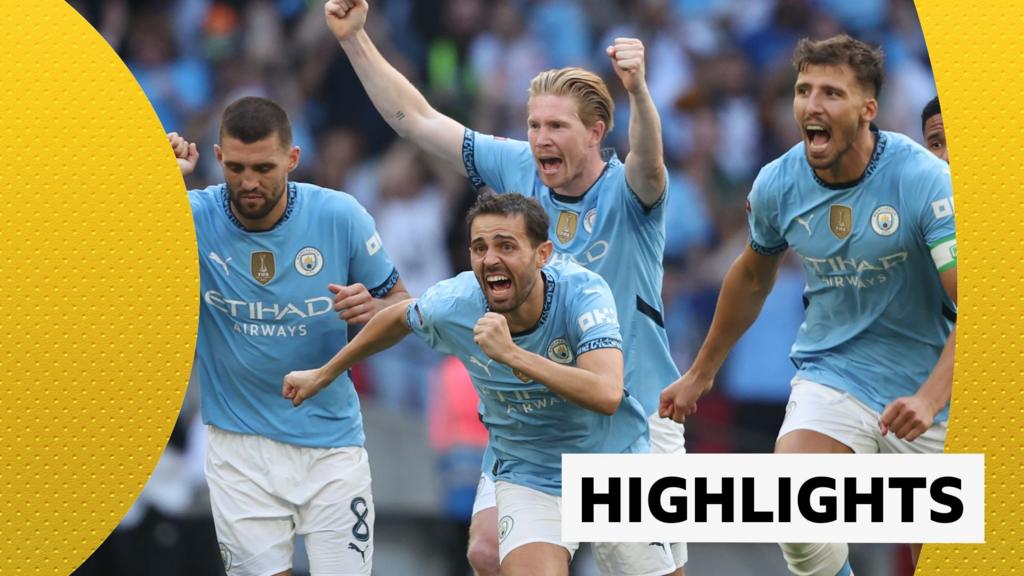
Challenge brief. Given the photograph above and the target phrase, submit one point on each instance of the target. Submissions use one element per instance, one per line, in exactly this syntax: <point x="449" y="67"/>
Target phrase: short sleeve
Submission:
<point x="204" y="203"/>
<point x="936" y="220"/>
<point x="370" y="263"/>
<point x="763" y="217"/>
<point x="426" y="314"/>
<point x="595" y="318"/>
<point x="636" y="206"/>
<point x="496" y="162"/>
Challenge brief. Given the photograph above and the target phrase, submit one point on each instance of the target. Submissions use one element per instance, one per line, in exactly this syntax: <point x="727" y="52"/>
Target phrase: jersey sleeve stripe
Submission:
<point x="598" y="344"/>
<point x="648" y="209"/>
<point x="766" y="250"/>
<point x="383" y="289"/>
<point x="469" y="159"/>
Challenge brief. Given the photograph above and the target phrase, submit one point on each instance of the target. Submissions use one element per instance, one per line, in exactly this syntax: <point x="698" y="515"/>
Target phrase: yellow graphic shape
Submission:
<point x="975" y="51"/>
<point x="98" y="285"/>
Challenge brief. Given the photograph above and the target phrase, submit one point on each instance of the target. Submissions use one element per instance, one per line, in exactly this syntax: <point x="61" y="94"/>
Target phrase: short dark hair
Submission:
<point x="513" y="204"/>
<point x="930" y="109"/>
<point x="251" y="119"/>
<point x="867" y="63"/>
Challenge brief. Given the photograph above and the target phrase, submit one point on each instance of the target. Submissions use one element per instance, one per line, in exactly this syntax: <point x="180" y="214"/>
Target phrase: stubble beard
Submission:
<point x="269" y="203"/>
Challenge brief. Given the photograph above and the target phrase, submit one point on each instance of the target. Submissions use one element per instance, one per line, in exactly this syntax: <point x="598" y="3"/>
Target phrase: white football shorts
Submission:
<point x="527" y="516"/>
<point x="838" y="415"/>
<point x="264" y="492"/>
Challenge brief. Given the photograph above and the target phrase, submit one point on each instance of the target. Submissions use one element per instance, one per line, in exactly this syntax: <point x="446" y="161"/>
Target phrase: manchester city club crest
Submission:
<point x="588" y="220"/>
<point x="504" y="527"/>
<point x="560" y="352"/>
<point x="565" y="229"/>
<point x="263" y="266"/>
<point x="885" y="220"/>
<point x="225" y="557"/>
<point x="840" y="220"/>
<point x="309" y="261"/>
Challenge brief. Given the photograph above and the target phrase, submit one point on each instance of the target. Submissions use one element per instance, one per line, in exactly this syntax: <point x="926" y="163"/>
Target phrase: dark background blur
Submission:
<point x="720" y="74"/>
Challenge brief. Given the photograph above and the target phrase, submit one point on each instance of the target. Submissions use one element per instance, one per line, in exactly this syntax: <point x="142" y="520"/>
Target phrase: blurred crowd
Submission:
<point x="720" y="75"/>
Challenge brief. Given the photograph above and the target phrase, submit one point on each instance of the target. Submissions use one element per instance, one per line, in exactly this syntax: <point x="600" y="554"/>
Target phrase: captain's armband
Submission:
<point x="944" y="253"/>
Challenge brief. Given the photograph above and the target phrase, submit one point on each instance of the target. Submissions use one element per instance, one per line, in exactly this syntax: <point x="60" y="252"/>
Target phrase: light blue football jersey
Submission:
<point x="529" y="426"/>
<point x="265" y="310"/>
<point x="607" y="230"/>
<point x="877" y="316"/>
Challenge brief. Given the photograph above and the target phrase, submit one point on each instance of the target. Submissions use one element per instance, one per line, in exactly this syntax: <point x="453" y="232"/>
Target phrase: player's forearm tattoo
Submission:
<point x="399" y="115"/>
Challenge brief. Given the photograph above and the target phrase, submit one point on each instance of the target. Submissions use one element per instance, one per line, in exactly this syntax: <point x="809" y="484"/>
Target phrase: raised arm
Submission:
<point x="403" y="107"/>
<point x="594" y="383"/>
<point x="383" y="331"/>
<point x="744" y="290"/>
<point x="645" y="162"/>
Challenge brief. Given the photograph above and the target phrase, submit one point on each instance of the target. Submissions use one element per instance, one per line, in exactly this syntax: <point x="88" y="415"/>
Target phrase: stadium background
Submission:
<point x="719" y="73"/>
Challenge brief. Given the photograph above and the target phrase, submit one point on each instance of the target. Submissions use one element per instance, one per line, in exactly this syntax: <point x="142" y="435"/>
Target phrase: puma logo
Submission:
<point x="486" y="367"/>
<point x="806" y="223"/>
<point x="362" y="551"/>
<point x="216" y="260"/>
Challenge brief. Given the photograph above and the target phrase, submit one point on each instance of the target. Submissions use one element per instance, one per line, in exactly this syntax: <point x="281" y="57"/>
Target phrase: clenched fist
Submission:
<point x="300" y="385"/>
<point x="679" y="399"/>
<point x="185" y="152"/>
<point x="353" y="303"/>
<point x="491" y="333"/>
<point x="627" y="55"/>
<point x="907" y="417"/>
<point x="345" y="17"/>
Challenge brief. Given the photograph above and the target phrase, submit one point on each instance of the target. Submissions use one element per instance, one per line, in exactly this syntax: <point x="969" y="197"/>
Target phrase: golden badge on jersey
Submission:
<point x="522" y="375"/>
<point x="565" y="230"/>
<point x="263" y="266"/>
<point x="840" y="220"/>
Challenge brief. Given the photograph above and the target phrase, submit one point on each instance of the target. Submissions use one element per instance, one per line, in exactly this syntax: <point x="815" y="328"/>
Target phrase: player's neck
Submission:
<point x="581" y="184"/>
<point x="528" y="313"/>
<point x="268" y="221"/>
<point x="854" y="162"/>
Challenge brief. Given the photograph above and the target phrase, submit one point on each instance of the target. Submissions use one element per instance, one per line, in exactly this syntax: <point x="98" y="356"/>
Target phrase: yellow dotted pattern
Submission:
<point x="98" y="288"/>
<point x="975" y="50"/>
